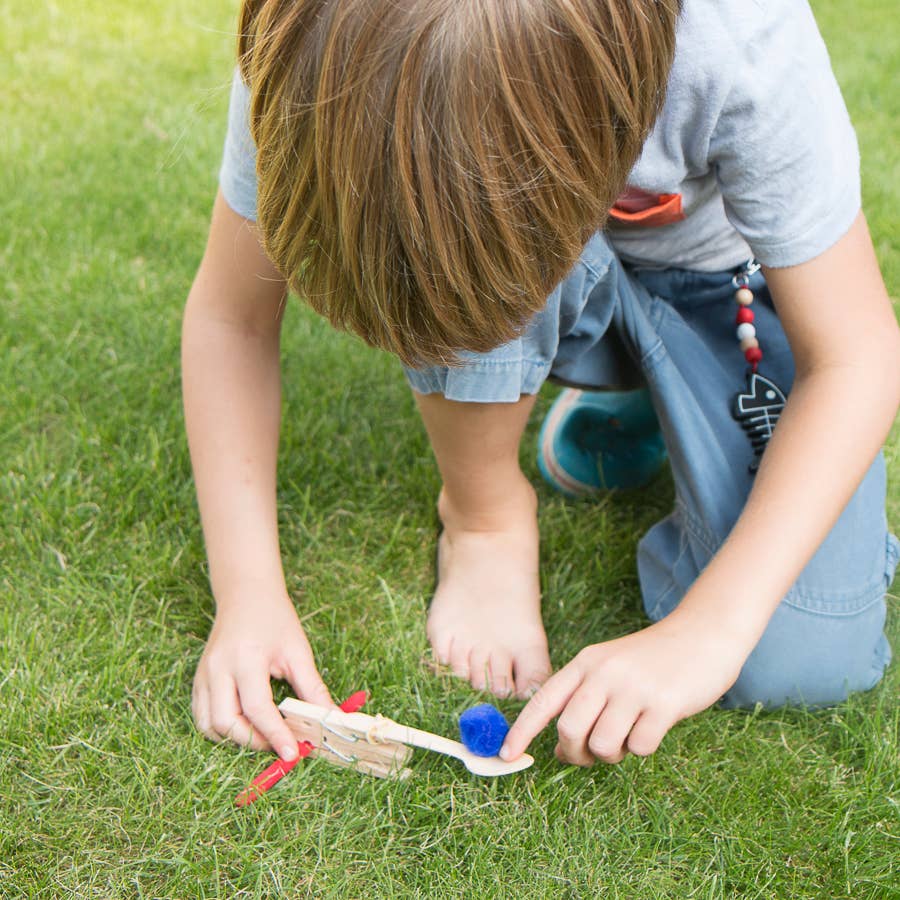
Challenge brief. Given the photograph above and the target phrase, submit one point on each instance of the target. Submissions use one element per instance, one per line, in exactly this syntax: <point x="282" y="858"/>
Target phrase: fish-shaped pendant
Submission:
<point x="757" y="410"/>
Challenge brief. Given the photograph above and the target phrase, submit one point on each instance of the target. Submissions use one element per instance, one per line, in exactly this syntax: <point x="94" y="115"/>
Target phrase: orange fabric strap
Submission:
<point x="667" y="209"/>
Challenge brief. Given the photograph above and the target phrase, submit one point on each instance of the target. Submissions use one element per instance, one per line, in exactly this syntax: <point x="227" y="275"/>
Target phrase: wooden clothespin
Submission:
<point x="271" y="775"/>
<point x="346" y="739"/>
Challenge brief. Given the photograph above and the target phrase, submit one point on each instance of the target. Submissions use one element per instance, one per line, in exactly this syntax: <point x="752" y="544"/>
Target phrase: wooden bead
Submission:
<point x="744" y="314"/>
<point x="745" y="330"/>
<point x="744" y="296"/>
<point x="747" y="343"/>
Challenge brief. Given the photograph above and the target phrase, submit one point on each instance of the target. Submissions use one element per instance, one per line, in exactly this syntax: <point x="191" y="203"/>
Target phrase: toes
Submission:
<point x="479" y="668"/>
<point x="458" y="659"/>
<point x="501" y="674"/>
<point x="440" y="646"/>
<point x="532" y="669"/>
<point x="491" y="670"/>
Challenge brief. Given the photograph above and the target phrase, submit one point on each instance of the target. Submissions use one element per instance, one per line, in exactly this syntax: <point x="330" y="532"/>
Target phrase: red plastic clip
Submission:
<point x="355" y="702"/>
<point x="272" y="774"/>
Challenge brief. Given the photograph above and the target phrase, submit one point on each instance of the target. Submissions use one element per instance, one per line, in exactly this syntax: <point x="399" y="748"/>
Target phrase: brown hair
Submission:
<point x="429" y="170"/>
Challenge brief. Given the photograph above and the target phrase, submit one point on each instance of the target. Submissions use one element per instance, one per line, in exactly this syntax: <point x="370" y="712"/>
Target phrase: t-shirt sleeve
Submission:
<point x="784" y="150"/>
<point x="237" y="175"/>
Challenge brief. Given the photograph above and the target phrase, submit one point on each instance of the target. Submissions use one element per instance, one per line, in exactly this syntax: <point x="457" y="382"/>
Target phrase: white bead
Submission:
<point x="745" y="330"/>
<point x="744" y="296"/>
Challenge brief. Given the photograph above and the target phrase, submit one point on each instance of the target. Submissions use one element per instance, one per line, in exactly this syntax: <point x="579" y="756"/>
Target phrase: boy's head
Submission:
<point x="430" y="169"/>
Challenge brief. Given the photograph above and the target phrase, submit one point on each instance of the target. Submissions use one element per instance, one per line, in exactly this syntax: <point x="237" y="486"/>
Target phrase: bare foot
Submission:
<point x="485" y="618"/>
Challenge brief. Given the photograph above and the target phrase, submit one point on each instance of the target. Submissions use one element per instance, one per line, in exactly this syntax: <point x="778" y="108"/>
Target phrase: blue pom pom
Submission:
<point x="482" y="729"/>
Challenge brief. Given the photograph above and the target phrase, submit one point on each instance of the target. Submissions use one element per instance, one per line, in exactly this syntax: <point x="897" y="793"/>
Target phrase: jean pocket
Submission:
<point x="857" y="592"/>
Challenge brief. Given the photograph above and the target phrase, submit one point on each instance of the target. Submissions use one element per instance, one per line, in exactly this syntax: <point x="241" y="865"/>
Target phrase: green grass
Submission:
<point x="112" y="118"/>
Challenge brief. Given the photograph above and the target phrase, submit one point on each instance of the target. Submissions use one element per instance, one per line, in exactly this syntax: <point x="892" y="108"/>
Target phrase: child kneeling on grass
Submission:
<point x="505" y="191"/>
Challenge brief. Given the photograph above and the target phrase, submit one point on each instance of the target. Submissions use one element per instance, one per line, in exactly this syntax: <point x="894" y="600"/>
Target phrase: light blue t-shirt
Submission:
<point x="754" y="148"/>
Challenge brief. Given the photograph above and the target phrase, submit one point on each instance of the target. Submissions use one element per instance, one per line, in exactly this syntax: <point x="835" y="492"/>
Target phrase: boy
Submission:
<point x="434" y="176"/>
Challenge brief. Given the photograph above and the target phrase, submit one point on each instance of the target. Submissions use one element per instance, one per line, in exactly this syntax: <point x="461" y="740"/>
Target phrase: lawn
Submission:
<point x="112" y="117"/>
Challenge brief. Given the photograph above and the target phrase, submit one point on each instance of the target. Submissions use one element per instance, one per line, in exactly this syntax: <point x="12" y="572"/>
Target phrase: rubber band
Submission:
<point x="372" y="735"/>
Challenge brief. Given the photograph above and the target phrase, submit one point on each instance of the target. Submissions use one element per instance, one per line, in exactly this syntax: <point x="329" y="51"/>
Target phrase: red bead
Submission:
<point x="744" y="314"/>
<point x="753" y="355"/>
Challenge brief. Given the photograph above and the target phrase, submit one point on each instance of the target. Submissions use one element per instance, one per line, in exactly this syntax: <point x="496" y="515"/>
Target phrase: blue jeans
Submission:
<point x="610" y="325"/>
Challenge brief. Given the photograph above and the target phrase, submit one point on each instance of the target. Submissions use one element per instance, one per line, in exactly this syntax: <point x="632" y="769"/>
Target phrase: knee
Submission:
<point x="808" y="659"/>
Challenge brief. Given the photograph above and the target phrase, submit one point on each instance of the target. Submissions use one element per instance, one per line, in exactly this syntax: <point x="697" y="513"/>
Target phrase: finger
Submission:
<point x="547" y="702"/>
<point x="304" y="678"/>
<point x="245" y="734"/>
<point x="255" y="692"/>
<point x="607" y="740"/>
<point x="576" y="723"/>
<point x="647" y="733"/>
<point x="228" y="721"/>
<point x="200" y="709"/>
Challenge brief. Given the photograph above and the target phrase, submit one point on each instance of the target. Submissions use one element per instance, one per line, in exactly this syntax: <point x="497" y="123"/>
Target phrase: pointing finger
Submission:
<point x="547" y="702"/>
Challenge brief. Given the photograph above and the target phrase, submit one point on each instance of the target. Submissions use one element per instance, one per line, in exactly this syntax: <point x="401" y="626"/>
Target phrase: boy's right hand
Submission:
<point x="250" y="643"/>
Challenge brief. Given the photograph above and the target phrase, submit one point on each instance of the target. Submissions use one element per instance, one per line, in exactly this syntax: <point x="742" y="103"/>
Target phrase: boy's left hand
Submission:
<point x="624" y="695"/>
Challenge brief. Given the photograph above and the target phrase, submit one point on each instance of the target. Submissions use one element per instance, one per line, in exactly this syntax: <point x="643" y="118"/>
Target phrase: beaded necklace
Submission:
<point x="759" y="406"/>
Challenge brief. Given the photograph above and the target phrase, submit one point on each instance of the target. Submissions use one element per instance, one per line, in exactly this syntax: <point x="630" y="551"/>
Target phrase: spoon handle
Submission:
<point x="406" y="734"/>
<point x="489" y="766"/>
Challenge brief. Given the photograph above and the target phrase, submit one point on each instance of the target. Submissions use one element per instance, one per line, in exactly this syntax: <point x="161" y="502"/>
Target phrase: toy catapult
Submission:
<point x="379" y="746"/>
<point x="373" y="745"/>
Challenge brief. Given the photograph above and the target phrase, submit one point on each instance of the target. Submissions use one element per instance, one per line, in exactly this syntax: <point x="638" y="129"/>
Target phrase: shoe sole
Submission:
<point x="549" y="465"/>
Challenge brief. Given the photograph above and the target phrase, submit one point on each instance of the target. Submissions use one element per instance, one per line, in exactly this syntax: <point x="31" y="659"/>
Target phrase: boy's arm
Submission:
<point x="625" y="694"/>
<point x="231" y="383"/>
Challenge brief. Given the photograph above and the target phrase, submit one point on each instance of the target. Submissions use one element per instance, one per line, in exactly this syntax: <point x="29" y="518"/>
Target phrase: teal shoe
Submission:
<point x="593" y="441"/>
